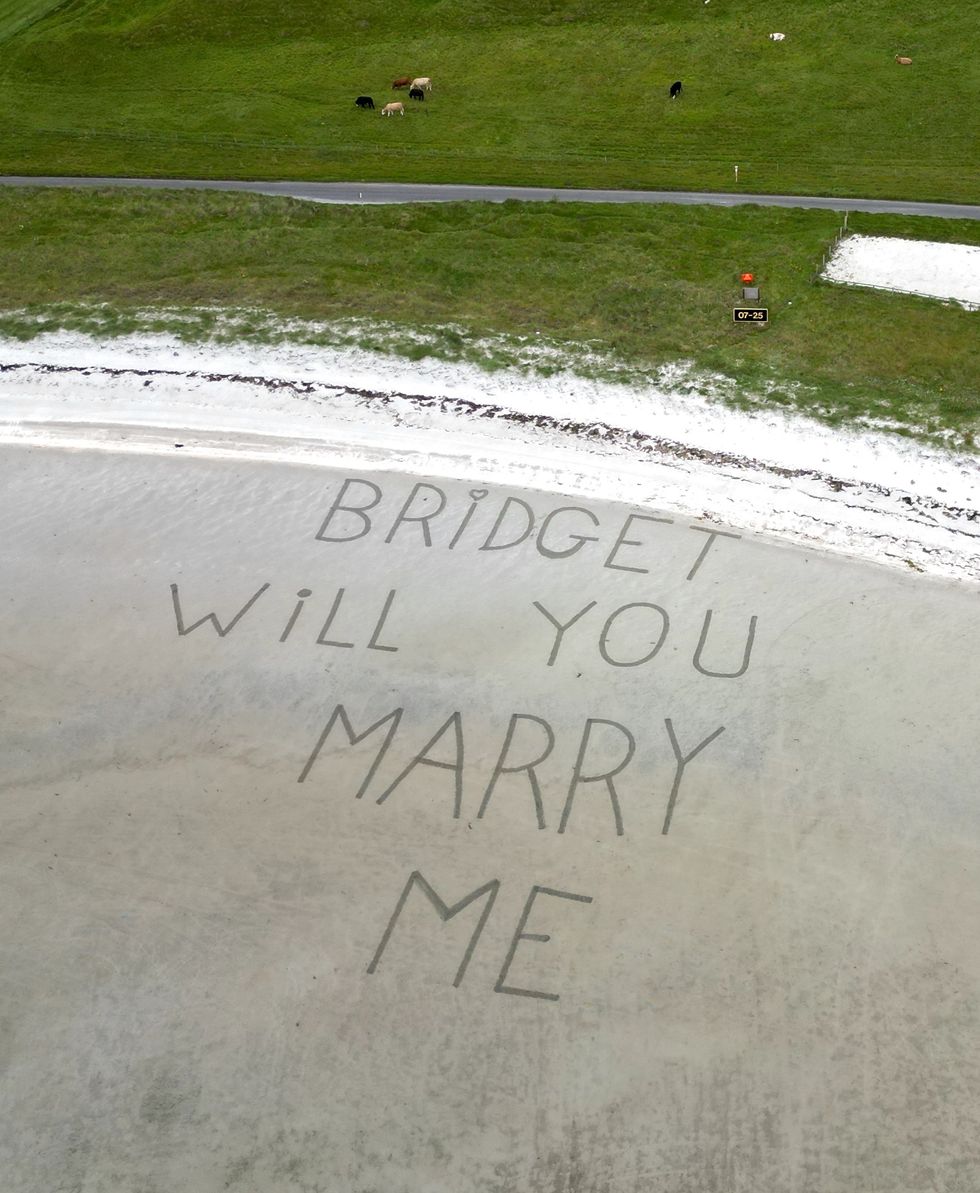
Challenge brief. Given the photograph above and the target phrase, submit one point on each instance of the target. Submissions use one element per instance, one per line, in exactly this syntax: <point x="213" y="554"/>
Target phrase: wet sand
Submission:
<point x="712" y="801"/>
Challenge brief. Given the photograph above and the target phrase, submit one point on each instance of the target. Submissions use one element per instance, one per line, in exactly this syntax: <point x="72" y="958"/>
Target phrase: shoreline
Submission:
<point x="864" y="494"/>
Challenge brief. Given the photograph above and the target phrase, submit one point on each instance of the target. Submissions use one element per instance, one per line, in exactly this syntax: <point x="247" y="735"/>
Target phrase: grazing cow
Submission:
<point x="425" y="82"/>
<point x="391" y="109"/>
<point x="675" y="89"/>
<point x="416" y="93"/>
<point x="402" y="82"/>
<point x="903" y="61"/>
<point x="777" y="36"/>
<point x="364" y="101"/>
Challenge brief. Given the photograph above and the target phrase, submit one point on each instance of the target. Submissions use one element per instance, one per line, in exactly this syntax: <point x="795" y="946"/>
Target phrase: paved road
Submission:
<point x="393" y="192"/>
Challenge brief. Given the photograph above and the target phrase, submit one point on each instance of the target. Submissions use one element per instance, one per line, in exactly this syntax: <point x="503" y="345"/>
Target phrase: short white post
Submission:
<point x="736" y="173"/>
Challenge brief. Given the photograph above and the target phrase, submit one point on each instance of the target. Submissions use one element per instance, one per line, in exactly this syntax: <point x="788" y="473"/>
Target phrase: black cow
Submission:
<point x="417" y="93"/>
<point x="364" y="101"/>
<point x="675" y="89"/>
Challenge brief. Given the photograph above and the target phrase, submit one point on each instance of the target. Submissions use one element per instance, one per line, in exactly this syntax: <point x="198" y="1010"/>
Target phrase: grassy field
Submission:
<point x="554" y="92"/>
<point x="639" y="285"/>
<point x="17" y="14"/>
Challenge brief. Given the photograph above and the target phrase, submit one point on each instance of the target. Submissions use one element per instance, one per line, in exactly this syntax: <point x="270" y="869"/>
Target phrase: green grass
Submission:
<point x="552" y="92"/>
<point x="640" y="286"/>
<point x="18" y="14"/>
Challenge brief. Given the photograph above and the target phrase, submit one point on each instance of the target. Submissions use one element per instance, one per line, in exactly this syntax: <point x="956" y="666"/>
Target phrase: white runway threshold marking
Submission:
<point x="930" y="268"/>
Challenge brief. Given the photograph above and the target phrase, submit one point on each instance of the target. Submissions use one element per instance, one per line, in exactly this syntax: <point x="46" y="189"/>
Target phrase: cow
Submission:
<point x="416" y="93"/>
<point x="903" y="61"/>
<point x="777" y="36"/>
<point x="391" y="109"/>
<point x="364" y="102"/>
<point x="402" y="82"/>
<point x="425" y="82"/>
<point x="675" y="89"/>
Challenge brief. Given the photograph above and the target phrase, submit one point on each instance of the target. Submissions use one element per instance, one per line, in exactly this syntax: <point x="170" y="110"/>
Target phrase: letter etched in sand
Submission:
<point x="340" y="714"/>
<point x="623" y="541"/>
<point x="712" y="535"/>
<point x="359" y="511"/>
<point x="297" y="610"/>
<point x="605" y="776"/>
<point x="423" y="516"/>
<point x="664" y="626"/>
<point x="560" y="626"/>
<point x="501" y="769"/>
<point x="455" y="723"/>
<point x="221" y="630"/>
<point x="375" y="641"/>
<point x="746" y="653"/>
<point x="490" y="542"/>
<point x="542" y="938"/>
<point x="445" y="913"/>
<point x="682" y="760"/>
<point x="578" y="540"/>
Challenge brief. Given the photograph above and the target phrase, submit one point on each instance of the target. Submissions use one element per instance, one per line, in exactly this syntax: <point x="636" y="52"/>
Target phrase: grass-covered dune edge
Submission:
<point x="556" y="93"/>
<point x="627" y="292"/>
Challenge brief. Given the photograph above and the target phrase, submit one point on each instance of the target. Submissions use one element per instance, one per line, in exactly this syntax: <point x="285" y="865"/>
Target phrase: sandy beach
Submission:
<point x="396" y="800"/>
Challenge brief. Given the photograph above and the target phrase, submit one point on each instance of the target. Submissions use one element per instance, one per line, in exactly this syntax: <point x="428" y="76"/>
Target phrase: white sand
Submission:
<point x="729" y="887"/>
<point x="871" y="495"/>
<point x="925" y="267"/>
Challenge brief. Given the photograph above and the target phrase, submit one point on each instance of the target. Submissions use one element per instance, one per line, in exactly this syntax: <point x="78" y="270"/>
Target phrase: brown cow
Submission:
<point x="903" y="61"/>
<point x="402" y="82"/>
<point x="391" y="109"/>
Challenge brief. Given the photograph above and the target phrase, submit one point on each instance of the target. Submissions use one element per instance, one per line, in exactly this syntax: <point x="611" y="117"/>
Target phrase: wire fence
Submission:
<point x="831" y="248"/>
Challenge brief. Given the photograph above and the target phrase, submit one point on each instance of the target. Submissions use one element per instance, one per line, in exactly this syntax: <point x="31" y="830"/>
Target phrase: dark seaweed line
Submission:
<point x="606" y="432"/>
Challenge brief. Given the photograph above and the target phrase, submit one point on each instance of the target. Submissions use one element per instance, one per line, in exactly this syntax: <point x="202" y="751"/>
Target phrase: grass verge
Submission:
<point x="619" y="291"/>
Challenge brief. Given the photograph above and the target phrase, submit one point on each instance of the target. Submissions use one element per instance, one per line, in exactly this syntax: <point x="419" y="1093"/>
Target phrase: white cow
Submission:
<point x="425" y="83"/>
<point x="391" y="109"/>
<point x="777" y="36"/>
